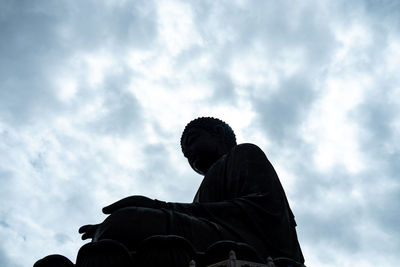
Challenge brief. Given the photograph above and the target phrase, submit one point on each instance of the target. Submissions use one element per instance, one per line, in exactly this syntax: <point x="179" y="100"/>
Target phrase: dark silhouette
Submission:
<point x="166" y="251"/>
<point x="240" y="199"/>
<point x="219" y="251"/>
<point x="54" y="260"/>
<point x="104" y="253"/>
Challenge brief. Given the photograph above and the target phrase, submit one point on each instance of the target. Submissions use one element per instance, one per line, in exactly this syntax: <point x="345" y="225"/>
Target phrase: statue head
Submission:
<point x="204" y="140"/>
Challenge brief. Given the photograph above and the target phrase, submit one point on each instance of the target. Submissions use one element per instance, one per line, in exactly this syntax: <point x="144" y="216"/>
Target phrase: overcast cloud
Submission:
<point x="95" y="94"/>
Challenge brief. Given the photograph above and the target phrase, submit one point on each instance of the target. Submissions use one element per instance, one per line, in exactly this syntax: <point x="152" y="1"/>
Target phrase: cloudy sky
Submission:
<point x="95" y="94"/>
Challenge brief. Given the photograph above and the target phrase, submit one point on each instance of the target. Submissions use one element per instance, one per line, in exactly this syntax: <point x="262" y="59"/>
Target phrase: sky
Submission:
<point x="94" y="96"/>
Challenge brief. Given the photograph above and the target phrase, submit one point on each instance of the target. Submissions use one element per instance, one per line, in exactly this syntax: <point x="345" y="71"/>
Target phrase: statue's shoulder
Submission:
<point x="248" y="149"/>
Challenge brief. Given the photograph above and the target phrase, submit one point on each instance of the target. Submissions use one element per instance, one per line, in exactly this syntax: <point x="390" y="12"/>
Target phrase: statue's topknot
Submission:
<point x="208" y="124"/>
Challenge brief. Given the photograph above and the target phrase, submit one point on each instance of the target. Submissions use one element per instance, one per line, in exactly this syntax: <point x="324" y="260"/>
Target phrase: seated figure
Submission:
<point x="240" y="199"/>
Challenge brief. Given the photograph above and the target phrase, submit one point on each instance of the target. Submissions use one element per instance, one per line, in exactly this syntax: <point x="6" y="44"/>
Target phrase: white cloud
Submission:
<point x="94" y="95"/>
<point x="335" y="137"/>
<point x="176" y="29"/>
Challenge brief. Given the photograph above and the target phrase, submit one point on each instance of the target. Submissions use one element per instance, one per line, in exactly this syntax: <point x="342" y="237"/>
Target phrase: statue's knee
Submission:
<point x="104" y="253"/>
<point x="131" y="222"/>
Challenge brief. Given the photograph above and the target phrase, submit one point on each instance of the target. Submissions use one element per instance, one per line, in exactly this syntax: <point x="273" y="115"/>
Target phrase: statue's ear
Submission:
<point x="220" y="132"/>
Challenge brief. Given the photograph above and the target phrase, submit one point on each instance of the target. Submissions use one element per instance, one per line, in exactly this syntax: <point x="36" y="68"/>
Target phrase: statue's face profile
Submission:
<point x="202" y="149"/>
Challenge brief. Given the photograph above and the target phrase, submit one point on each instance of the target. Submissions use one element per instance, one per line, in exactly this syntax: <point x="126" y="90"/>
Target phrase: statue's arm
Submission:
<point x="193" y="209"/>
<point x="134" y="201"/>
<point x="234" y="207"/>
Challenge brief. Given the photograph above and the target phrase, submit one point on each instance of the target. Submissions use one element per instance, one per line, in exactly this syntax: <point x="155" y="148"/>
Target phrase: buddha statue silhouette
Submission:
<point x="240" y="199"/>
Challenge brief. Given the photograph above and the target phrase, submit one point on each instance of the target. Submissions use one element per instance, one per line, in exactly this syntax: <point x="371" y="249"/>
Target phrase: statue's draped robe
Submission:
<point x="240" y="199"/>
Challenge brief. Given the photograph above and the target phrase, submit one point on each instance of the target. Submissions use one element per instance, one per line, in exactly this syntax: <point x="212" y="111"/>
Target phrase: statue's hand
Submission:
<point x="133" y="201"/>
<point x="88" y="230"/>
